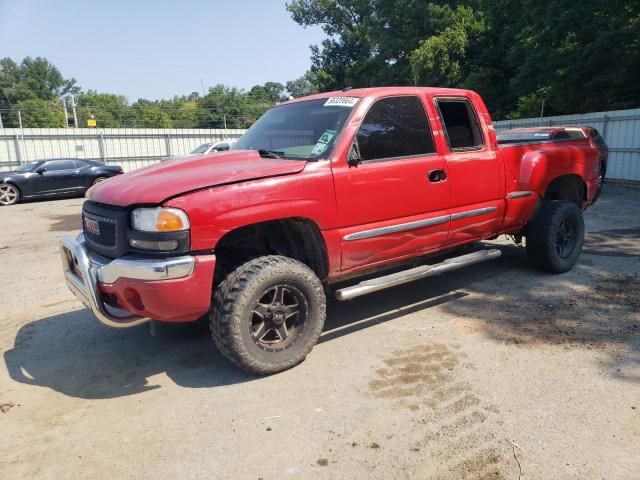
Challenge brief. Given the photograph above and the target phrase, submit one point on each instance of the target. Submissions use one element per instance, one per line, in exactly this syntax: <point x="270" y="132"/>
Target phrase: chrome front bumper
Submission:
<point x="83" y="271"/>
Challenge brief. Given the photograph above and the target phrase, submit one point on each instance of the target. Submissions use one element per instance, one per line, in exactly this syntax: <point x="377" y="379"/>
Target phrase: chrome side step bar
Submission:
<point x="406" y="276"/>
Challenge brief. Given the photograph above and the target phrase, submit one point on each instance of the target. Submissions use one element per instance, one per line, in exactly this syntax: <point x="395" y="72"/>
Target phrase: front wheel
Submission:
<point x="556" y="236"/>
<point x="9" y="194"/>
<point x="268" y="314"/>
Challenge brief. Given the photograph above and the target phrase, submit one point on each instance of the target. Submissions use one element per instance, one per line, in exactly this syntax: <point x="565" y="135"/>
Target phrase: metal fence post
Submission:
<point x="605" y="120"/>
<point x="16" y="144"/>
<point x="101" y="147"/>
<point x="167" y="144"/>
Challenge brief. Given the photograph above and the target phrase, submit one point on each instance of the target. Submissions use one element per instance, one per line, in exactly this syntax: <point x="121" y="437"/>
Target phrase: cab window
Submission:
<point x="460" y="124"/>
<point x="395" y="127"/>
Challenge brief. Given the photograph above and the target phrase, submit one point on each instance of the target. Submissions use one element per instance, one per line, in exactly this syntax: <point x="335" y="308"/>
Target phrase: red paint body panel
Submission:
<point x="156" y="183"/>
<point x="229" y="190"/>
<point x="180" y="300"/>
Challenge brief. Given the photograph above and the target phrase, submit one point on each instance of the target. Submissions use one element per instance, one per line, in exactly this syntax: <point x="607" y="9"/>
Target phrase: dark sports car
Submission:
<point x="49" y="178"/>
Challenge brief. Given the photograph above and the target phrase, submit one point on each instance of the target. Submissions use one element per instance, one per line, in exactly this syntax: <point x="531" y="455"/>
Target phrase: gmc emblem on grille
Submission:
<point x="92" y="226"/>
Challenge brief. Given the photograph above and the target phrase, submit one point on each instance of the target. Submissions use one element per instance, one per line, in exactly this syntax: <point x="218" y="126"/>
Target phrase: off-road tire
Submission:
<point x="234" y="300"/>
<point x="544" y="233"/>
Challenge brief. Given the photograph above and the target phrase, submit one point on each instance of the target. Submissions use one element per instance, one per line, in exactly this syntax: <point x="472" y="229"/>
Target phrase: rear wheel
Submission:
<point x="556" y="236"/>
<point x="98" y="180"/>
<point x="9" y="194"/>
<point x="268" y="313"/>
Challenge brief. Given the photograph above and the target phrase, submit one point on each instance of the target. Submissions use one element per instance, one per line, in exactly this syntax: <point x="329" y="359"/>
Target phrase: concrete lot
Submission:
<point x="497" y="371"/>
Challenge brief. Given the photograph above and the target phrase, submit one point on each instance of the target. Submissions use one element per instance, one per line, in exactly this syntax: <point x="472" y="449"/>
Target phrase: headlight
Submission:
<point x="159" y="220"/>
<point x="159" y="230"/>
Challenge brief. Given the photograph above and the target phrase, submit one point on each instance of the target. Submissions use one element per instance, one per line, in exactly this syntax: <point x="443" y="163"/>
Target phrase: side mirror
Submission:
<point x="354" y="158"/>
<point x="40" y="169"/>
<point x="222" y="147"/>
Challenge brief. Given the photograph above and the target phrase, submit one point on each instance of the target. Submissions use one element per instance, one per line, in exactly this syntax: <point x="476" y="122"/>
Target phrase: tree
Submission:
<point x="109" y="110"/>
<point x="368" y="42"/>
<point x="440" y="58"/>
<point x="305" y="85"/>
<point x="37" y="113"/>
<point x="148" y="114"/>
<point x="269" y="92"/>
<point x="31" y="80"/>
<point x="231" y="107"/>
<point x="584" y="56"/>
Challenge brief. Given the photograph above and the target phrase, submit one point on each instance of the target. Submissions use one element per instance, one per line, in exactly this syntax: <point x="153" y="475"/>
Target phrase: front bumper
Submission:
<point x="132" y="290"/>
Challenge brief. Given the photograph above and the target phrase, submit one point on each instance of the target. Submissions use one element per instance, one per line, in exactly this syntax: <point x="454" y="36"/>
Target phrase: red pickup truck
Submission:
<point x="320" y="190"/>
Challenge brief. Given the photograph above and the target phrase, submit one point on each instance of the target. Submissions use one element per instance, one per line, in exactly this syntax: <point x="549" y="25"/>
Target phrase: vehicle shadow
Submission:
<point x="74" y="354"/>
<point x="593" y="307"/>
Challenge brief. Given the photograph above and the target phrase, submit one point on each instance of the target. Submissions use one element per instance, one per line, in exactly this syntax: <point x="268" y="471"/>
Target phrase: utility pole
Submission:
<point x="202" y="83"/>
<point x="66" y="114"/>
<point x="20" y="119"/>
<point x="1" y="125"/>
<point x="75" y="115"/>
<point x="224" y="119"/>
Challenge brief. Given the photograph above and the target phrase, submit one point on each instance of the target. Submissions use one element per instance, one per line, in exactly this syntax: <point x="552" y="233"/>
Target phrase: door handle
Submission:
<point x="437" y="176"/>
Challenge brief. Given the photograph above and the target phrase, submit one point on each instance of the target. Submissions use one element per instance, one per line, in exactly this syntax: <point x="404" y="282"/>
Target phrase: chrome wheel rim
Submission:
<point x="278" y="317"/>
<point x="8" y="194"/>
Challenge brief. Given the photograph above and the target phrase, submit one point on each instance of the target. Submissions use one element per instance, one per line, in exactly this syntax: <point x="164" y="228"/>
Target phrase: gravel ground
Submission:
<point x="496" y="371"/>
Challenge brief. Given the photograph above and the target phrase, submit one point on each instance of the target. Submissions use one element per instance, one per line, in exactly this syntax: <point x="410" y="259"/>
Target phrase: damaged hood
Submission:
<point x="158" y="182"/>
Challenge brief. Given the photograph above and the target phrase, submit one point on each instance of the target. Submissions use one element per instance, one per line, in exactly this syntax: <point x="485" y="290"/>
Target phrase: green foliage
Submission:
<point x="439" y="59"/>
<point x="303" y="86"/>
<point x="108" y="109"/>
<point x="576" y="56"/>
<point x="518" y="54"/>
<point x="147" y="114"/>
<point x="21" y="85"/>
<point x="229" y="107"/>
<point x="37" y="113"/>
<point x="38" y="90"/>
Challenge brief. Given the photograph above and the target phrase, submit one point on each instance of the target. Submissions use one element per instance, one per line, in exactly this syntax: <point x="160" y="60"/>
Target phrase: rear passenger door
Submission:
<point x="473" y="171"/>
<point x="395" y="202"/>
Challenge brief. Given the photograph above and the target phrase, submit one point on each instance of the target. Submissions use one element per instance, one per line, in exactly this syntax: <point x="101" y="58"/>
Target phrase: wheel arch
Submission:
<point x="569" y="187"/>
<point x="295" y="237"/>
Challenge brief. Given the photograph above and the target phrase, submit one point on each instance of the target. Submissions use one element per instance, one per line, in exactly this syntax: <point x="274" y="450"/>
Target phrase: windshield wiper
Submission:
<point x="270" y="153"/>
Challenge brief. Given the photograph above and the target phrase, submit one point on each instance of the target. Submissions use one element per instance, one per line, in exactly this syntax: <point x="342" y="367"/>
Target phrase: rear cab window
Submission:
<point x="395" y="128"/>
<point x="460" y="123"/>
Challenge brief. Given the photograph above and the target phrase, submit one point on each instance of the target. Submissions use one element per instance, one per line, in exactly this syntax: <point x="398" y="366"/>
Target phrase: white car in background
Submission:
<point x="212" y="147"/>
<point x="205" y="148"/>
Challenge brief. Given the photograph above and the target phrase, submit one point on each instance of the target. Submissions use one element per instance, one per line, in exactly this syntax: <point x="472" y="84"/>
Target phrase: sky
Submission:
<point x="160" y="48"/>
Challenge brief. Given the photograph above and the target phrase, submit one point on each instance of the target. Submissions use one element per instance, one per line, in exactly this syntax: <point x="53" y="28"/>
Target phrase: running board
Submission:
<point x="406" y="276"/>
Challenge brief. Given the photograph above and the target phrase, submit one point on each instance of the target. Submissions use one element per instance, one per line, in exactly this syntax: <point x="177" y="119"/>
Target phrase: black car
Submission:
<point x="49" y="178"/>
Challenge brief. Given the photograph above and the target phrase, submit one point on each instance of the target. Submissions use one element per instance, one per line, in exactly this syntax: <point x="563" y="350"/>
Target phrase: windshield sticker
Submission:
<point x="341" y="102"/>
<point x="327" y="136"/>
<point x="323" y="142"/>
<point x="319" y="148"/>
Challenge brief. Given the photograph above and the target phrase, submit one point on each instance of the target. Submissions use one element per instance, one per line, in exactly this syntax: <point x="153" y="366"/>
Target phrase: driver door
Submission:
<point x="59" y="176"/>
<point x="395" y="202"/>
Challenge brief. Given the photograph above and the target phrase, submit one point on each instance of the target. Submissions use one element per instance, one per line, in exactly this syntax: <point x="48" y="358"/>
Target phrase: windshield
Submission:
<point x="29" y="167"/>
<point x="201" y="149"/>
<point x="303" y="130"/>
